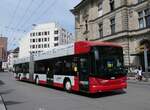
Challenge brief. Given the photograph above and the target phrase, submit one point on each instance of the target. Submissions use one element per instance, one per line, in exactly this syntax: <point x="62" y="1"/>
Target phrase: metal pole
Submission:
<point x="129" y="53"/>
<point x="146" y="62"/>
<point x="31" y="66"/>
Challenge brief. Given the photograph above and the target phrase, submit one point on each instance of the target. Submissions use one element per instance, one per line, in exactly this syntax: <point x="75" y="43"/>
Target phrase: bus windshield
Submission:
<point x="108" y="61"/>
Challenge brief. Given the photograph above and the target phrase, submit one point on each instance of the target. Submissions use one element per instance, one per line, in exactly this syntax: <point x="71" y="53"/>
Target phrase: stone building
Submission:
<point x="125" y="22"/>
<point x="3" y="50"/>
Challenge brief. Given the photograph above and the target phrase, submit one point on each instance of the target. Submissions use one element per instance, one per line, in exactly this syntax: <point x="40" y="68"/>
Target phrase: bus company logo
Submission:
<point x="58" y="78"/>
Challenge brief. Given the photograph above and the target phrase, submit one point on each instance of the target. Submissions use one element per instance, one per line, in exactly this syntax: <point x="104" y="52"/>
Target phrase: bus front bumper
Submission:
<point x="102" y="88"/>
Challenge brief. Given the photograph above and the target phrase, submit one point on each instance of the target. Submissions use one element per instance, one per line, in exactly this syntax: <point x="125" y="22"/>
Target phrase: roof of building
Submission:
<point x="79" y="5"/>
<point x="16" y="50"/>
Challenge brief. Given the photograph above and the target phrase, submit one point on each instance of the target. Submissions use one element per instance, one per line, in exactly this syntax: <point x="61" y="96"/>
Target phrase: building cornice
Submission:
<point x="129" y="33"/>
<point x="101" y="17"/>
<point x="77" y="7"/>
<point x="134" y="6"/>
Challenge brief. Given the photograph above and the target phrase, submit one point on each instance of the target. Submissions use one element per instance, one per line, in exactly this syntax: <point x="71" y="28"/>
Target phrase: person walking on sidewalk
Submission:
<point x="139" y="74"/>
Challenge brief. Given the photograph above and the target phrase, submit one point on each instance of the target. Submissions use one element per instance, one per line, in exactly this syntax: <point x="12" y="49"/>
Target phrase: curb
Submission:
<point x="139" y="83"/>
<point x="2" y="105"/>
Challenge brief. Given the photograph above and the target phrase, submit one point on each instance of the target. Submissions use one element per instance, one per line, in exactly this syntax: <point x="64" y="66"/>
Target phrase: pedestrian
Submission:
<point x="139" y="73"/>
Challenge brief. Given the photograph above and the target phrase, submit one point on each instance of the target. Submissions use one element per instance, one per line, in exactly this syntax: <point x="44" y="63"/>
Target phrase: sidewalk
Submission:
<point x="134" y="81"/>
<point x="2" y="106"/>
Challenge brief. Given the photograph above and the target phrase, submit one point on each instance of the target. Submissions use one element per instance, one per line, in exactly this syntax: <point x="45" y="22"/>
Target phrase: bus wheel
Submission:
<point x="68" y="86"/>
<point x="37" y="81"/>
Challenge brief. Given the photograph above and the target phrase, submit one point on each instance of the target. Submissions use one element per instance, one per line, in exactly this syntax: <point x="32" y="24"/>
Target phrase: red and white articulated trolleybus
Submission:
<point x="86" y="66"/>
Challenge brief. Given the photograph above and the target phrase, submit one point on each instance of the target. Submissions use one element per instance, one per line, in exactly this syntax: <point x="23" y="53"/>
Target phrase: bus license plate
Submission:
<point x="112" y="77"/>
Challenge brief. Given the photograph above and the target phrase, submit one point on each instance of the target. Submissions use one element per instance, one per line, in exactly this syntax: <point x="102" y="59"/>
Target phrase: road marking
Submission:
<point x="2" y="106"/>
<point x="41" y="109"/>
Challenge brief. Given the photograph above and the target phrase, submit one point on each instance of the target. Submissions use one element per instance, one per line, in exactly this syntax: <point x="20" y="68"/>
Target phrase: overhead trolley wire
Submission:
<point x="44" y="12"/>
<point x="25" y="12"/>
<point x="33" y="13"/>
<point x="14" y="13"/>
<point x="13" y="17"/>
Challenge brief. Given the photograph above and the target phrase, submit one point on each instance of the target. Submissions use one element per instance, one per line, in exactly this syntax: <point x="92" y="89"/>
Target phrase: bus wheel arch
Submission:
<point x="67" y="84"/>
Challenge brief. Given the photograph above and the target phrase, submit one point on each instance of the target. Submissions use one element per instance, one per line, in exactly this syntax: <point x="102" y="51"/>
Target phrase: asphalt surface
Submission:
<point x="26" y="96"/>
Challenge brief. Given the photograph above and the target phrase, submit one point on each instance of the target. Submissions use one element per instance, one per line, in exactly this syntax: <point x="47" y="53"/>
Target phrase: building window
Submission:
<point x="112" y="5"/>
<point x="100" y="10"/>
<point x="30" y="40"/>
<point x="39" y="33"/>
<point x="39" y="46"/>
<point x="45" y="39"/>
<point x="112" y="21"/>
<point x="39" y="39"/>
<point x="33" y="46"/>
<point x="144" y="18"/>
<point x="36" y="34"/>
<point x="48" y="33"/>
<point x="100" y="30"/>
<point x="147" y="17"/>
<point x="56" y="44"/>
<point x="48" y="45"/>
<point x="45" y="45"/>
<point x="56" y="32"/>
<point x="33" y="40"/>
<point x="86" y="25"/>
<point x="139" y="1"/>
<point x="33" y="34"/>
<point x="45" y="33"/>
<point x="42" y="33"/>
<point x="141" y="23"/>
<point x="55" y="38"/>
<point x="48" y="39"/>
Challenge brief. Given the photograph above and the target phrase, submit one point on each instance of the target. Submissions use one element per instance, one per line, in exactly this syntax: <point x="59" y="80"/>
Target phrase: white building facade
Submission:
<point x="10" y="59"/>
<point x="42" y="38"/>
<point x="48" y="35"/>
<point x="24" y="46"/>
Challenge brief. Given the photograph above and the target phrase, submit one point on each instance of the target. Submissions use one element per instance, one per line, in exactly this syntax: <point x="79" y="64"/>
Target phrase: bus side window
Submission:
<point x="58" y="69"/>
<point x="75" y="66"/>
<point x="67" y="67"/>
<point x="83" y="63"/>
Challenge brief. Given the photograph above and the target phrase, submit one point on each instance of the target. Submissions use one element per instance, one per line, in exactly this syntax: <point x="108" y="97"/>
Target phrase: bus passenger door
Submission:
<point x="49" y="76"/>
<point x="84" y="74"/>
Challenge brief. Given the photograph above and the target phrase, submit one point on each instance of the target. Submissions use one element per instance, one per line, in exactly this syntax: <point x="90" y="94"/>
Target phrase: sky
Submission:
<point x="18" y="16"/>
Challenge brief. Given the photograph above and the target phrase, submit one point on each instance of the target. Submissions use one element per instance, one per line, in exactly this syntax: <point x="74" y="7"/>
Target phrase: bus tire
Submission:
<point x="67" y="85"/>
<point x="37" y="80"/>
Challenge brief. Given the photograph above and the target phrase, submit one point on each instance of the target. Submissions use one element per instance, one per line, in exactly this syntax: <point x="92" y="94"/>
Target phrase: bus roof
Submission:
<point x="98" y="43"/>
<point x="85" y="46"/>
<point x="80" y="47"/>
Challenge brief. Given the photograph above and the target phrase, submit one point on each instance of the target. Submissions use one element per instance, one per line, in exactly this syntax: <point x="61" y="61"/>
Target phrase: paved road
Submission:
<point x="25" y="96"/>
